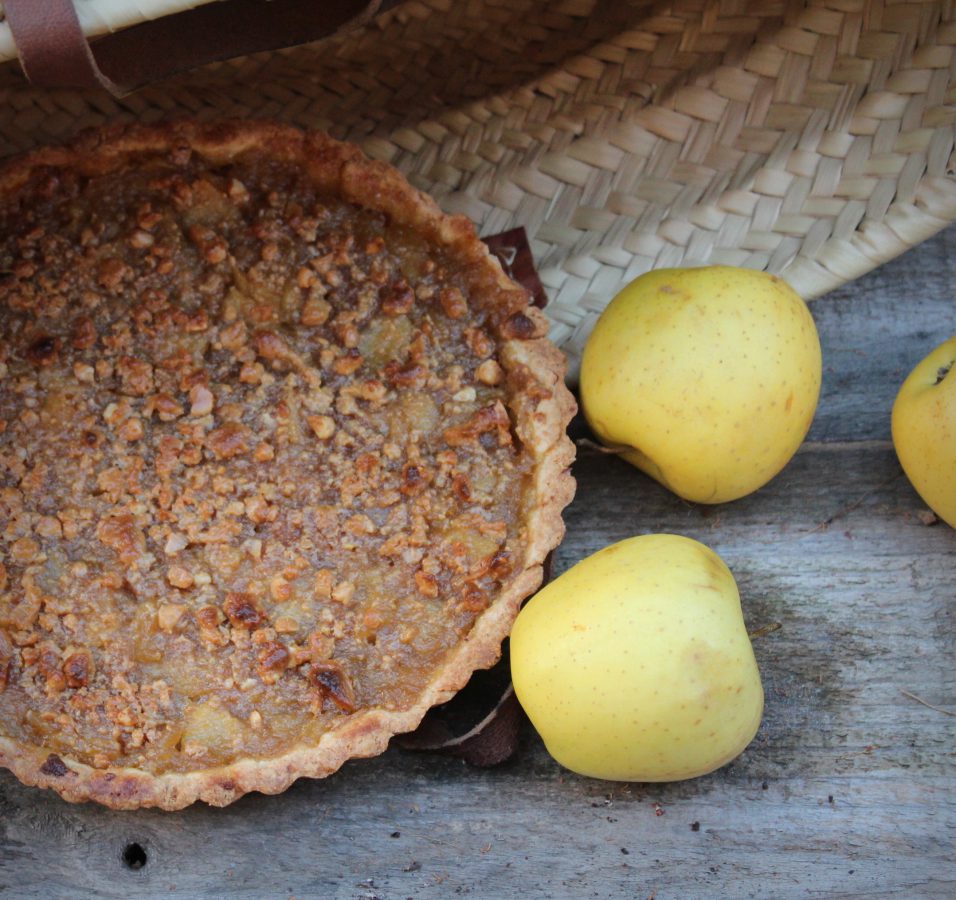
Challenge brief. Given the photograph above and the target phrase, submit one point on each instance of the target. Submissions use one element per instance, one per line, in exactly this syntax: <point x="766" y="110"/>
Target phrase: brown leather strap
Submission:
<point x="54" y="52"/>
<point x="482" y="723"/>
<point x="51" y="45"/>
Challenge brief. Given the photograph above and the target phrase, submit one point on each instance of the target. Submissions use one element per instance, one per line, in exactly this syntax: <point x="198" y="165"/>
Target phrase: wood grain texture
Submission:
<point x="848" y="790"/>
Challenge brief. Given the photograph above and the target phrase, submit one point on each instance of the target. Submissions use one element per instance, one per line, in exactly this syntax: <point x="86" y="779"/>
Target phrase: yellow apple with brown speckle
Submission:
<point x="924" y="430"/>
<point x="707" y="379"/>
<point x="635" y="664"/>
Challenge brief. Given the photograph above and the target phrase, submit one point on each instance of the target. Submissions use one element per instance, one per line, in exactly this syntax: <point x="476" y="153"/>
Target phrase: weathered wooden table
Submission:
<point x="849" y="788"/>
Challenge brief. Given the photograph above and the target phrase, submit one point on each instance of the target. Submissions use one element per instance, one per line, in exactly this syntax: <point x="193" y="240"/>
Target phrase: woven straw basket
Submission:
<point x="814" y="140"/>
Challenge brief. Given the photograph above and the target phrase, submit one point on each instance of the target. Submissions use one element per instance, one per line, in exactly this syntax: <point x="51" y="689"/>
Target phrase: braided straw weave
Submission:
<point x="814" y="140"/>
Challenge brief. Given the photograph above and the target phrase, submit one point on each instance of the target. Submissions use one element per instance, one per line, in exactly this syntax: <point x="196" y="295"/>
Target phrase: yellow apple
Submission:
<point x="924" y="430"/>
<point x="635" y="664"/>
<point x="709" y="377"/>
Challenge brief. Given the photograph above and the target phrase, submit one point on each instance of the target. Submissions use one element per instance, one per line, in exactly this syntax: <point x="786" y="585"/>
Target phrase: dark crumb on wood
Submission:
<point x="55" y="766"/>
<point x="695" y="826"/>
<point x="625" y="851"/>
<point x="412" y="867"/>
<point x="829" y="798"/>
<point x="395" y="834"/>
<point x="764" y="786"/>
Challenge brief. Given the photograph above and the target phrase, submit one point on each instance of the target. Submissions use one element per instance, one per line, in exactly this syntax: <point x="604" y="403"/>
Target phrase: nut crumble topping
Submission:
<point x="257" y="466"/>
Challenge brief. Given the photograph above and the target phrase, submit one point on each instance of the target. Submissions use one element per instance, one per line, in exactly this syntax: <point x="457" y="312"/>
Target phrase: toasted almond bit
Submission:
<point x="168" y="615"/>
<point x="465" y="395"/>
<point x="453" y="302"/>
<point x="343" y="592"/>
<point x="24" y="550"/>
<point x="264" y="452"/>
<point x="242" y="610"/>
<point x="49" y="526"/>
<point x="166" y="407"/>
<point x="372" y="390"/>
<point x="349" y="363"/>
<point x="84" y="372"/>
<point x="280" y="589"/>
<point x="323" y="426"/>
<point x="324" y="579"/>
<point x="251" y="373"/>
<point x="175" y="543"/>
<point x="253" y="547"/>
<point x="203" y="579"/>
<point x="78" y="669"/>
<point x="305" y="278"/>
<point x="427" y="584"/>
<point x="141" y="239"/>
<point x="315" y="312"/>
<point x="180" y="577"/>
<point x="201" y="401"/>
<point x="132" y="429"/>
<point x="286" y="625"/>
<point x="255" y="719"/>
<point x="237" y="191"/>
<point x="489" y="372"/>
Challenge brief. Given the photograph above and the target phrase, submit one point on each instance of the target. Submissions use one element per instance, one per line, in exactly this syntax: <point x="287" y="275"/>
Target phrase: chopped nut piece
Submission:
<point x="324" y="580"/>
<point x="315" y="312"/>
<point x="242" y="610"/>
<point x="84" y="372"/>
<point x="323" y="426"/>
<point x="453" y="302"/>
<point x="180" y="577"/>
<point x="168" y="616"/>
<point x="397" y="299"/>
<point x="489" y="373"/>
<point x="280" y="589"/>
<point x="492" y="420"/>
<point x="229" y="440"/>
<point x="343" y="592"/>
<point x="465" y="395"/>
<point x="273" y="658"/>
<point x="286" y="625"/>
<point x="165" y="406"/>
<point x="349" y="363"/>
<point x="132" y="429"/>
<point x="333" y="684"/>
<point x="264" y="452"/>
<point x="201" y="401"/>
<point x="78" y="669"/>
<point x="427" y="584"/>
<point x="175" y="543"/>
<point x="140" y="239"/>
<point x="24" y="550"/>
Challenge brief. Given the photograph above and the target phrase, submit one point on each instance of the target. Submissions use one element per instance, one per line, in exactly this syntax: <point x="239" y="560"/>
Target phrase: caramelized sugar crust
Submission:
<point x="282" y="450"/>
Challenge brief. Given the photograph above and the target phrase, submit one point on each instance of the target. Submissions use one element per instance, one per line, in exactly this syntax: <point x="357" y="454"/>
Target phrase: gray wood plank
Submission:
<point x="848" y="790"/>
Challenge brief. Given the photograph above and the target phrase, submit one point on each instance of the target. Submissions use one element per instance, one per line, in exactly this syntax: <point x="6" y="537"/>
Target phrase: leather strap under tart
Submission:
<point x="54" y="52"/>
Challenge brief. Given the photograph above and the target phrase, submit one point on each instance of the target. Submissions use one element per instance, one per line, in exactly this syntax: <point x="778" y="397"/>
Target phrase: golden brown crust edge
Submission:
<point x="534" y="363"/>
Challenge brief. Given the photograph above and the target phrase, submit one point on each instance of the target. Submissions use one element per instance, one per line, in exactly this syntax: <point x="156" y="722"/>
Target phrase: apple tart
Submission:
<point x="282" y="450"/>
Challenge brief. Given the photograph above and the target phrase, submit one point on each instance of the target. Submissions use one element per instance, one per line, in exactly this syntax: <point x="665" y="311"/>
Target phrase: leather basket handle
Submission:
<point x="54" y="52"/>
